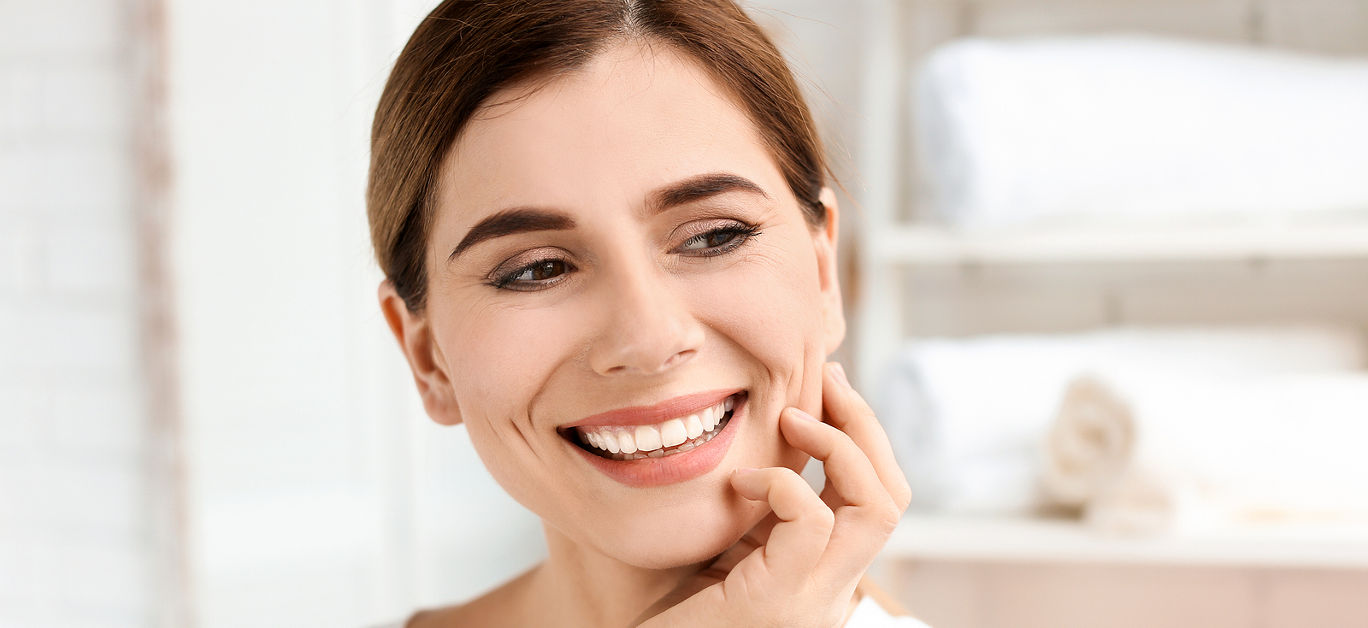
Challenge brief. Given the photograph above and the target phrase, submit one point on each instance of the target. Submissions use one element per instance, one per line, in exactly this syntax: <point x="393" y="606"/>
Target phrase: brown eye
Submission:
<point x="541" y="271"/>
<point x="534" y="276"/>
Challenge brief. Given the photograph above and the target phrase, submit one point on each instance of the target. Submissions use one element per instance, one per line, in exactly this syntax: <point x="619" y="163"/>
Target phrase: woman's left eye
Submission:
<point x="718" y="241"/>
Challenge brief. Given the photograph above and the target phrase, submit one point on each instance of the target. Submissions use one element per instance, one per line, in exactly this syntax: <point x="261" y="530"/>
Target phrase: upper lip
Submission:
<point x="658" y="413"/>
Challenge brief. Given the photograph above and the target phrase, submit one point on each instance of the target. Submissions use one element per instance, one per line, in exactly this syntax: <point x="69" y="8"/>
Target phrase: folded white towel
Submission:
<point x="1138" y="128"/>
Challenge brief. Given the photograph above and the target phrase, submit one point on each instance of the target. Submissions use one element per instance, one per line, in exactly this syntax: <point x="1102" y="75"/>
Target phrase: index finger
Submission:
<point x="847" y="411"/>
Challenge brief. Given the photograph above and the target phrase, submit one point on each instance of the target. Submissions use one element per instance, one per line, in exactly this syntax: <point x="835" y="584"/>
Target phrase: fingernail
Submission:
<point x="838" y="372"/>
<point x="802" y="415"/>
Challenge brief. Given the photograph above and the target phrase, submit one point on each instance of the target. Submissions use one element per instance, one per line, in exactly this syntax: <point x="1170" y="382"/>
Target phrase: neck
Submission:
<point x="581" y="586"/>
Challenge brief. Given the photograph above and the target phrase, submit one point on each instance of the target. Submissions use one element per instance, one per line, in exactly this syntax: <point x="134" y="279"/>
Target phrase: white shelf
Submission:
<point x="942" y="246"/>
<point x="971" y="539"/>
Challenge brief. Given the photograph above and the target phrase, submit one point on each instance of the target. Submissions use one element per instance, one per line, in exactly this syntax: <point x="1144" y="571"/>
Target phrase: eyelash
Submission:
<point x="740" y="234"/>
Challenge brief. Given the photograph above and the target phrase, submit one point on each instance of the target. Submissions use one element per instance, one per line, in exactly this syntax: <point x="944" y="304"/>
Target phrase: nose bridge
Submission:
<point x="647" y="326"/>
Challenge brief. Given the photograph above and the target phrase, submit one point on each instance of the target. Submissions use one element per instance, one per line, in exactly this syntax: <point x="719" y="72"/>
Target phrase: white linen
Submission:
<point x="967" y="417"/>
<point x="1179" y="454"/>
<point x="1108" y="128"/>
<point x="867" y="614"/>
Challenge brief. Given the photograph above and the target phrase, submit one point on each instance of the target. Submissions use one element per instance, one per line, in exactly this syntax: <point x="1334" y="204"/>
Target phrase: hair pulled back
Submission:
<point x="467" y="50"/>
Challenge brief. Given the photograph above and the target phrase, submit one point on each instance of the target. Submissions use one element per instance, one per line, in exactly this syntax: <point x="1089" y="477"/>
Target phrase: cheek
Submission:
<point x="773" y="315"/>
<point x="492" y="373"/>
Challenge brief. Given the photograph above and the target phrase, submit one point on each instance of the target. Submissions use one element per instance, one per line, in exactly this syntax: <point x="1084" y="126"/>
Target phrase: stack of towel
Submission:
<point x="1132" y="128"/>
<point x="1140" y="429"/>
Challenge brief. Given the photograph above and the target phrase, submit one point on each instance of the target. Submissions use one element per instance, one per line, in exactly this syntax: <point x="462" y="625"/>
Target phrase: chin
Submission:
<point x="685" y="534"/>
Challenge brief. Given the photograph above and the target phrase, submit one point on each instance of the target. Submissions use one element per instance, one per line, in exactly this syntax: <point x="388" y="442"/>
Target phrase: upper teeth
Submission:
<point x="631" y="439"/>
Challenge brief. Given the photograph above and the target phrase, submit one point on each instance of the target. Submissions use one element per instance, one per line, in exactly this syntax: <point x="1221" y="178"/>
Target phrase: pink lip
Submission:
<point x="658" y="413"/>
<point x="679" y="467"/>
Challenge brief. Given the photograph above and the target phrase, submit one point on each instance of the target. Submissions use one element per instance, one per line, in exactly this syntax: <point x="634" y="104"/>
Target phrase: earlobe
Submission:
<point x="825" y="240"/>
<point x="414" y="334"/>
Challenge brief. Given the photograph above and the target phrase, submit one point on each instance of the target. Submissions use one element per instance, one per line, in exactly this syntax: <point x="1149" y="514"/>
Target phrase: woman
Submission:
<point x="611" y="254"/>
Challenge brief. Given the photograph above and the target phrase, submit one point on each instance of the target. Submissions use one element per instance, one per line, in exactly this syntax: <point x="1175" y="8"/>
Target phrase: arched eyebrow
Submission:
<point x="511" y="221"/>
<point x="699" y="187"/>
<point x="526" y="219"/>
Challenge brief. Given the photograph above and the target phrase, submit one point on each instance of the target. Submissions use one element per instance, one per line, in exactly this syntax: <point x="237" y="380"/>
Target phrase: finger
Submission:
<point x="848" y="412"/>
<point x="800" y="537"/>
<point x="869" y="513"/>
<point x="847" y="467"/>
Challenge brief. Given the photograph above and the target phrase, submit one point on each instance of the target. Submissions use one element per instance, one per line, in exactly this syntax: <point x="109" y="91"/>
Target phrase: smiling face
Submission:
<point x="617" y="264"/>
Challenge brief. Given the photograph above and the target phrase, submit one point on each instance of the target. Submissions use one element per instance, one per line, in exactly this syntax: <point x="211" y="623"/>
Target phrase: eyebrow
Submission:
<point x="511" y="221"/>
<point x="699" y="187"/>
<point x="528" y="219"/>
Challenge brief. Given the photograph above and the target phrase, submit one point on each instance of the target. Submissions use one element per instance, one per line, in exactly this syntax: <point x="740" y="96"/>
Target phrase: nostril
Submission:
<point x="678" y="358"/>
<point x="669" y="363"/>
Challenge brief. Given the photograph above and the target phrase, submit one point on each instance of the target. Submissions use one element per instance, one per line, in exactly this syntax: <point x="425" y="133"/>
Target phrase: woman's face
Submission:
<point x="615" y="257"/>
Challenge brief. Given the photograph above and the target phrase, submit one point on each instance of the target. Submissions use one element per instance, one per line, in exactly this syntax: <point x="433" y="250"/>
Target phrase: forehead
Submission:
<point x="634" y="118"/>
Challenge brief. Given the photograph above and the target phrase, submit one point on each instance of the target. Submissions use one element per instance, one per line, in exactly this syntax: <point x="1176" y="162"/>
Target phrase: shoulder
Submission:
<point x="494" y="609"/>
<point x="474" y="613"/>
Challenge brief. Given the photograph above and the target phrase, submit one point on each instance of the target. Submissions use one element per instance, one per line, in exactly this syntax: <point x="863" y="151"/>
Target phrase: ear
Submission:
<point x="824" y="242"/>
<point x="425" y="358"/>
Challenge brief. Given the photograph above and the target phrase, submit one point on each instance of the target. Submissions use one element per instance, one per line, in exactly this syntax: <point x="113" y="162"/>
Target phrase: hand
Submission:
<point x="799" y="567"/>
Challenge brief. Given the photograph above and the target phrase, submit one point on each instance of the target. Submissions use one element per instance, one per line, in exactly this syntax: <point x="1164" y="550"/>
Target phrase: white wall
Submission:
<point x="320" y="495"/>
<point x="74" y="528"/>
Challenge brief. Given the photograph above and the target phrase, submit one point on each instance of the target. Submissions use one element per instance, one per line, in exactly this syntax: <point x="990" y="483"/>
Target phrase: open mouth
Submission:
<point x="657" y="440"/>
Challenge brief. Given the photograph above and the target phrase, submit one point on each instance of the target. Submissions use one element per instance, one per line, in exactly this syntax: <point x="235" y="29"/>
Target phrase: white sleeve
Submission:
<point x="868" y="614"/>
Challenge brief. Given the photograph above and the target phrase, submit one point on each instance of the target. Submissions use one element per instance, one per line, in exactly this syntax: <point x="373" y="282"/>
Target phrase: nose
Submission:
<point x="647" y="325"/>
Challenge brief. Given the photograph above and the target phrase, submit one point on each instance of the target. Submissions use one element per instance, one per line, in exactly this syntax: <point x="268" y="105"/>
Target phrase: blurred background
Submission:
<point x="1106" y="265"/>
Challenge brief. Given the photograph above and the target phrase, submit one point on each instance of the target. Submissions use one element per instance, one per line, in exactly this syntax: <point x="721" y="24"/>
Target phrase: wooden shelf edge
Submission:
<point x="1006" y="539"/>
<point x="939" y="246"/>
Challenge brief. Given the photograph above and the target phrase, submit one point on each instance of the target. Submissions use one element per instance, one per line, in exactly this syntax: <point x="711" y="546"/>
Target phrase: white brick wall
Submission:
<point x="74" y="529"/>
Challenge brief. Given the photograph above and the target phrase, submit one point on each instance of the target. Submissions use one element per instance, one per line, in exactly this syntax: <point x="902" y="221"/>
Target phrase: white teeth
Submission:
<point x="643" y="441"/>
<point x="647" y="438"/>
<point x="673" y="433"/>
<point x="693" y="428"/>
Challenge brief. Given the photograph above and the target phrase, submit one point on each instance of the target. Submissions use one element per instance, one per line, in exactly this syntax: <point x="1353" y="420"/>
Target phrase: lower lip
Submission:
<point x="674" y="468"/>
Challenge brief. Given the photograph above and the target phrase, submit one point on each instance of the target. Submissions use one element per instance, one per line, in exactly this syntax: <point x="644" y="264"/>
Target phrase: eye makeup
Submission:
<point x="543" y="268"/>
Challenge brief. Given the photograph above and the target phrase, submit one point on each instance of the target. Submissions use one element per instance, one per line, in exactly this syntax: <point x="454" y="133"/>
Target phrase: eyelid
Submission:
<point x="706" y="225"/>
<point x="521" y="261"/>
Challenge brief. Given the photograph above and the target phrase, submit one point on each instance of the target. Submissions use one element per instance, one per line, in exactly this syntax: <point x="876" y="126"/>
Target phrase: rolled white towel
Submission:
<point x="1090" y="444"/>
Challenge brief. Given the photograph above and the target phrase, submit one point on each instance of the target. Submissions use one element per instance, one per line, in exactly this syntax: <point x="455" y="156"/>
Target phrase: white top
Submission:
<point x="868" y="614"/>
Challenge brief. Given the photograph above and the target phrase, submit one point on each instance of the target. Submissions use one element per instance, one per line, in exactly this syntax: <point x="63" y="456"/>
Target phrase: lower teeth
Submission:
<point x="680" y="448"/>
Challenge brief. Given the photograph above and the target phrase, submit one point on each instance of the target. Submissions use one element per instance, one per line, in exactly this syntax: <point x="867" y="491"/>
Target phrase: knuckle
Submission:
<point x="788" y="477"/>
<point x="821" y="517"/>
<point x="883" y="518"/>
<point x="902" y="496"/>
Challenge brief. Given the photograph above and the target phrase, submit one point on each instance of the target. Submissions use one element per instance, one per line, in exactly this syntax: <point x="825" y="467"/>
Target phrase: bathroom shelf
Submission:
<point x="915" y="244"/>
<point x="1005" y="539"/>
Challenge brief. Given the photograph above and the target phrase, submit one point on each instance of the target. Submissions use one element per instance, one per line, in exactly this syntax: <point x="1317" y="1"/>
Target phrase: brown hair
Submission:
<point x="466" y="50"/>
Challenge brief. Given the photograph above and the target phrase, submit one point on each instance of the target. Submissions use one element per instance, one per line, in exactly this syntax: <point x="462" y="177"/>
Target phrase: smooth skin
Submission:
<point x="631" y="302"/>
